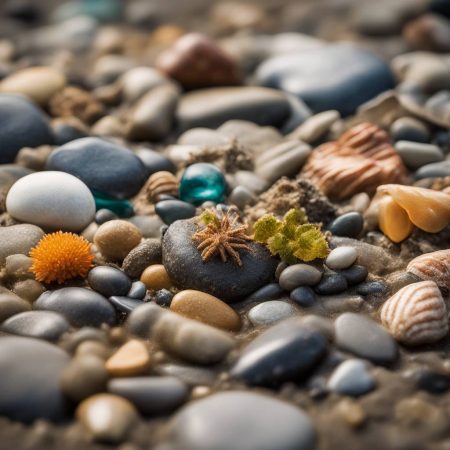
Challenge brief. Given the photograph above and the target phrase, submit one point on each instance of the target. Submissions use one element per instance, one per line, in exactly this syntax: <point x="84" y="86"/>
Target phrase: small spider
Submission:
<point x="222" y="236"/>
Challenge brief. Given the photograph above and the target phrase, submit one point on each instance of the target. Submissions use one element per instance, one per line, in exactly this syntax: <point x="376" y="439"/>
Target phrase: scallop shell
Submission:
<point x="161" y="183"/>
<point x="361" y="160"/>
<point x="433" y="266"/>
<point x="416" y="314"/>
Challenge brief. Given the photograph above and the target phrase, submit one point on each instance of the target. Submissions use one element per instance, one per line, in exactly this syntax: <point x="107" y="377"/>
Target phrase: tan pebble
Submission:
<point x="29" y="290"/>
<point x="17" y="267"/>
<point x="37" y="83"/>
<point x="129" y="360"/>
<point x="416" y="314"/>
<point x="116" y="238"/>
<point x="352" y="412"/>
<point x="107" y="417"/>
<point x="200" y="391"/>
<point x="205" y="308"/>
<point x="434" y="266"/>
<point x="156" y="277"/>
<point x="95" y="348"/>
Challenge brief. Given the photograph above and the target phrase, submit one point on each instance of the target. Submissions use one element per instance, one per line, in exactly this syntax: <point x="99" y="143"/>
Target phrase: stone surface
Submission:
<point x="304" y="296"/>
<point x="433" y="170"/>
<point x="341" y="258"/>
<point x="355" y="274"/>
<point x="80" y="306"/>
<point x="129" y="360"/>
<point x="269" y="312"/>
<point x="155" y="277"/>
<point x="18" y="239"/>
<point x="347" y="225"/>
<point x="11" y="304"/>
<point x="30" y="370"/>
<point x="173" y="210"/>
<point x="124" y="304"/>
<point x="105" y="167"/>
<point x="351" y="378"/>
<point x="145" y="254"/>
<point x="416" y="155"/>
<point x="109" y="281"/>
<point x="52" y="200"/>
<point x="137" y="290"/>
<point x="272" y="291"/>
<point x="365" y="338"/>
<point x="331" y="283"/>
<point x="215" y="423"/>
<point x="299" y="275"/>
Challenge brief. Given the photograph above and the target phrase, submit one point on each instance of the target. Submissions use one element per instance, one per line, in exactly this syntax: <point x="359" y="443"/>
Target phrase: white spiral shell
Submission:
<point x="434" y="266"/>
<point x="416" y="314"/>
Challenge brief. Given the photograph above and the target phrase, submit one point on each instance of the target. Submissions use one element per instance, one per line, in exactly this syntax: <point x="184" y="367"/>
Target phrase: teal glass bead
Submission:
<point x="123" y="208"/>
<point x="202" y="182"/>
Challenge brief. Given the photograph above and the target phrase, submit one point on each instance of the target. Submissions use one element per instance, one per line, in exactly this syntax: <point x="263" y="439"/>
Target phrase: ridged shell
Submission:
<point x="416" y="314"/>
<point x="433" y="266"/>
<point x="161" y="183"/>
<point x="361" y="160"/>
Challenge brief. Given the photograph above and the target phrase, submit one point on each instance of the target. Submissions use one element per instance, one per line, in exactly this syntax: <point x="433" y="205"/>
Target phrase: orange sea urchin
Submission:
<point x="61" y="256"/>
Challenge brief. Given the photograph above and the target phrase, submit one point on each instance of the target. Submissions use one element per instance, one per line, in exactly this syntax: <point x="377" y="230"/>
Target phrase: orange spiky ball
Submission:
<point x="61" y="256"/>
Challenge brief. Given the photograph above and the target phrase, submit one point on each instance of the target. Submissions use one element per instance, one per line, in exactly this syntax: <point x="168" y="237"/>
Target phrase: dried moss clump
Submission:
<point x="293" y="238"/>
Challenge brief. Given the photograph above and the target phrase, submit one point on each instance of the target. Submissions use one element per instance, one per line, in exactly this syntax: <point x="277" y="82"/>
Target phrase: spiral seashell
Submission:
<point x="161" y="183"/>
<point x="434" y="266"/>
<point x="361" y="160"/>
<point x="416" y="314"/>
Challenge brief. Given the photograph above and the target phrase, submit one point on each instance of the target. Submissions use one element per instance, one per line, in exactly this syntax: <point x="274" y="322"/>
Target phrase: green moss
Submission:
<point x="208" y="217"/>
<point x="292" y="238"/>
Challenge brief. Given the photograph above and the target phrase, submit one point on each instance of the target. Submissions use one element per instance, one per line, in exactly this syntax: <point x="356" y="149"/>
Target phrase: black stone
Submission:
<point x="272" y="291"/>
<point x="430" y="381"/>
<point x="109" y="281"/>
<point x="173" y="210"/>
<point x="331" y="283"/>
<point x="304" y="296"/>
<point x="163" y="297"/>
<point x="371" y="288"/>
<point x="137" y="290"/>
<point x="65" y="132"/>
<point x="155" y="162"/>
<point x="355" y="274"/>
<point x="433" y="170"/>
<point x="347" y="225"/>
<point x="125" y="304"/>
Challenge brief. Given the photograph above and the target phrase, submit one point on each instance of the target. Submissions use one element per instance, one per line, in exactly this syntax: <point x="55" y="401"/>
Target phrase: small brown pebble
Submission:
<point x="95" y="348"/>
<point x="129" y="360"/>
<point x="352" y="412"/>
<point x="156" y="277"/>
<point x="29" y="290"/>
<point x="148" y="252"/>
<point x="205" y="308"/>
<point x="33" y="158"/>
<point x="160" y="183"/>
<point x="116" y="238"/>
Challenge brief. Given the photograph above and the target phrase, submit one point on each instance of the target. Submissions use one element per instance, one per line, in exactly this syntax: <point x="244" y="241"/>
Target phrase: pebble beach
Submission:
<point x="225" y="225"/>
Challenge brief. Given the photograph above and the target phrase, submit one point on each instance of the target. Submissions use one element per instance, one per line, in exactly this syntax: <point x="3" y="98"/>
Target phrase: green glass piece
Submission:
<point x="202" y="182"/>
<point x="123" y="208"/>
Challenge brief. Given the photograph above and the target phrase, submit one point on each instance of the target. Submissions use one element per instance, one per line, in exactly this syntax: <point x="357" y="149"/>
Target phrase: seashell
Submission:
<point x="434" y="266"/>
<point x="361" y="160"/>
<point x="161" y="183"/>
<point x="416" y="314"/>
<point x="401" y="207"/>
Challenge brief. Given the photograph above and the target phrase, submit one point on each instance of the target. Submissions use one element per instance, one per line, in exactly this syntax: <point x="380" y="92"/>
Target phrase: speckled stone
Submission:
<point x="299" y="275"/>
<point x="18" y="239"/>
<point x="267" y="313"/>
<point x="145" y="254"/>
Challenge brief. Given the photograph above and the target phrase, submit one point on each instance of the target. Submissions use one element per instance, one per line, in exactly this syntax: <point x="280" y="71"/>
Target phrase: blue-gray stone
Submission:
<point x="304" y="296"/>
<point x="433" y="170"/>
<point x="269" y="312"/>
<point x="371" y="288"/>
<point x="272" y="291"/>
<point x="347" y="225"/>
<point x="351" y="378"/>
<point x="155" y="162"/>
<point x="137" y="290"/>
<point x="331" y="283"/>
<point x="355" y="274"/>
<point x="109" y="281"/>
<point x="105" y="167"/>
<point x="125" y="304"/>
<point x="172" y="210"/>
<point x="338" y="76"/>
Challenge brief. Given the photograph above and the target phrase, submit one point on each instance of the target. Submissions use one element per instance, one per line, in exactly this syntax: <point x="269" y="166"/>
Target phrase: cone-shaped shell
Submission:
<point x="434" y="266"/>
<point x="416" y="314"/>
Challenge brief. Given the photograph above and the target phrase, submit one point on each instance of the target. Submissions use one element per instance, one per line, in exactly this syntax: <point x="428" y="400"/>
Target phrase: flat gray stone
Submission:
<point x="351" y="378"/>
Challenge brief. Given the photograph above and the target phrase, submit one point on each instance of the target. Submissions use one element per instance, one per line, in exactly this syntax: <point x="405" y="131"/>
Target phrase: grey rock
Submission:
<point x="173" y="210"/>
<point x="409" y="129"/>
<point x="355" y="274"/>
<point x="18" y="239"/>
<point x="416" y="154"/>
<point x="109" y="281"/>
<point x="137" y="290"/>
<point x="347" y="225"/>
<point x="433" y="170"/>
<point x="316" y="126"/>
<point x="149" y="226"/>
<point x="351" y="378"/>
<point x="272" y="291"/>
<point x="125" y="304"/>
<point x="338" y="304"/>
<point x="241" y="197"/>
<point x="191" y="375"/>
<point x="267" y="313"/>
<point x="142" y="319"/>
<point x="331" y="283"/>
<point x="299" y="275"/>
<point x="303" y="296"/>
<point x="148" y="252"/>
<point x="11" y="304"/>
<point x="155" y="161"/>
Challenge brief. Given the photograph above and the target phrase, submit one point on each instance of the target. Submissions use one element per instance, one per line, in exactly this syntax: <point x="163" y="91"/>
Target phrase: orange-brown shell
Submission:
<point x="434" y="266"/>
<point x="161" y="183"/>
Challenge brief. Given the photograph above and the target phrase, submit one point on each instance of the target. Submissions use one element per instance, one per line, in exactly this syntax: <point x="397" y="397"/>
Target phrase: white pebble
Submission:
<point x="341" y="258"/>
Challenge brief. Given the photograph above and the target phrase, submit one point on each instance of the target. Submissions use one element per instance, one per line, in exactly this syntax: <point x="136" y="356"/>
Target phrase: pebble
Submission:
<point x="80" y="306"/>
<point x="332" y="77"/>
<point x="433" y="382"/>
<point x="37" y="324"/>
<point x="316" y="126"/>
<point x="109" y="418"/>
<point x="84" y="376"/>
<point x="351" y="378"/>
<point x="365" y="338"/>
<point x="150" y="226"/>
<point x="331" y="283"/>
<point x="109" y="281"/>
<point x="212" y="107"/>
<point x="18" y="239"/>
<point x="140" y="322"/>
<point x="173" y="210"/>
<point x="191" y="375"/>
<point x="105" y="167"/>
<point x="30" y="370"/>
<point x="269" y="312"/>
<point x="433" y="170"/>
<point x="129" y="360"/>
<point x="347" y="225"/>
<point x="371" y="288"/>
<point x="216" y="423"/>
<point x="155" y="277"/>
<point x="355" y="274"/>
<point x="341" y="258"/>
<point x="163" y="297"/>
<point x="116" y="238"/>
<point x="304" y="296"/>
<point x="155" y="161"/>
<point x="124" y="304"/>
<point x="151" y="395"/>
<point x="39" y="84"/>
<point x="22" y="124"/>
<point x="51" y="200"/>
<point x="147" y="253"/>
<point x="272" y="291"/>
<point x="409" y="129"/>
<point x="298" y="349"/>
<point x="139" y="80"/>
<point x="299" y="275"/>
<point x="338" y="304"/>
<point x="241" y="197"/>
<point x="205" y="308"/>
<point x="11" y="304"/>
<point x="137" y="290"/>
<point x="417" y="154"/>
<point x="104" y="215"/>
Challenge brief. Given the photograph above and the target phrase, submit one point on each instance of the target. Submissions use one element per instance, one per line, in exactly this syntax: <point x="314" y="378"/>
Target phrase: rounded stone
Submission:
<point x="205" y="308"/>
<point x="155" y="162"/>
<point x="124" y="304"/>
<point x="299" y="275"/>
<point x="347" y="225"/>
<point x="116" y="238"/>
<point x="409" y="129"/>
<point x="331" y="283"/>
<point x="355" y="274"/>
<point x="351" y="378"/>
<point x="46" y="325"/>
<point x="18" y="240"/>
<point x="269" y="312"/>
<point x="104" y="215"/>
<point x="30" y="370"/>
<point x="137" y="290"/>
<point x="173" y="210"/>
<point x="80" y="306"/>
<point x="341" y="258"/>
<point x="109" y="281"/>
<point x="433" y="170"/>
<point x="371" y="288"/>
<point x="155" y="277"/>
<point x="105" y="167"/>
<point x="163" y="297"/>
<point x="304" y="296"/>
<point x="22" y="124"/>
<point x="416" y="154"/>
<point x="241" y="420"/>
<point x="51" y="200"/>
<point x="148" y="252"/>
<point x="129" y="360"/>
<point x="11" y="304"/>
<point x="151" y="395"/>
<point x="271" y="291"/>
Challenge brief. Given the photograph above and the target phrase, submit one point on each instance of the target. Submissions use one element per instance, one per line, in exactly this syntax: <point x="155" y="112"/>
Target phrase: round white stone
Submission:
<point x="52" y="200"/>
<point x="341" y="258"/>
